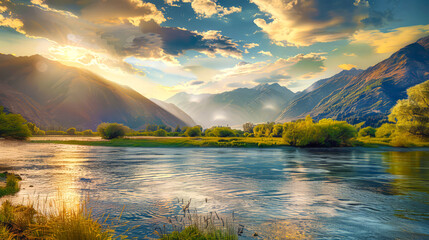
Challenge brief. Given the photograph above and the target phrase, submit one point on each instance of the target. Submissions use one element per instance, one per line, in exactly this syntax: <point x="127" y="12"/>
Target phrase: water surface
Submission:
<point x="316" y="193"/>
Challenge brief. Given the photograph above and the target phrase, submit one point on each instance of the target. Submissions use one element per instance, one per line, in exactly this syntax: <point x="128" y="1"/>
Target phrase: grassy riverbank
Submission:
<point x="242" y="142"/>
<point x="175" y="142"/>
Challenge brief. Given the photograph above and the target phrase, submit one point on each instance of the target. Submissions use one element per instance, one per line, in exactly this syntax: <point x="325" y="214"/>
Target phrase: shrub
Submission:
<point x="277" y="130"/>
<point x="193" y="131"/>
<point x="385" y="131"/>
<point x="112" y="130"/>
<point x="88" y="132"/>
<point x="160" y="133"/>
<point x="13" y="126"/>
<point x="368" y="131"/>
<point x="325" y="133"/>
<point x="71" y="131"/>
<point x="223" y="132"/>
<point x="53" y="132"/>
<point x="34" y="129"/>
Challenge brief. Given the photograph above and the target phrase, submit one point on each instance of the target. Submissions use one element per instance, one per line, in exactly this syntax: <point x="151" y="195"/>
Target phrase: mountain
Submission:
<point x="54" y="95"/>
<point x="311" y="96"/>
<point x="173" y="109"/>
<point x="259" y="104"/>
<point x="372" y="93"/>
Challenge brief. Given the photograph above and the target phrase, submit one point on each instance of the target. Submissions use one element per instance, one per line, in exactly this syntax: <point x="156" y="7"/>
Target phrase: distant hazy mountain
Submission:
<point x="173" y="109"/>
<point x="259" y="104"/>
<point x="372" y="93"/>
<point x="51" y="94"/>
<point x="311" y="96"/>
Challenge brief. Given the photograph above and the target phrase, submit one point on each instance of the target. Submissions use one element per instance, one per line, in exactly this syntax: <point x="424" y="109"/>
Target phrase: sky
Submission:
<point x="162" y="47"/>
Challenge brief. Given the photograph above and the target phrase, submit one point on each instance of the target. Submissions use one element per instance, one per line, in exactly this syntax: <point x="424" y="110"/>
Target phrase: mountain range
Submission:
<point x="358" y="95"/>
<point x="259" y="104"/>
<point x="53" y="95"/>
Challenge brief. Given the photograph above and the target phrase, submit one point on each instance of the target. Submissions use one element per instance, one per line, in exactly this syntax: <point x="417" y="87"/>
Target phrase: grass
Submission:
<point x="178" y="142"/>
<point x="12" y="184"/>
<point x="61" y="223"/>
<point x="191" y="225"/>
<point x="390" y="142"/>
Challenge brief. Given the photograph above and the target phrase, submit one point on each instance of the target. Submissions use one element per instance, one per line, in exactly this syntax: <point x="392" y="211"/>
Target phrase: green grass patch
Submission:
<point x="177" y="142"/>
<point x="12" y="184"/>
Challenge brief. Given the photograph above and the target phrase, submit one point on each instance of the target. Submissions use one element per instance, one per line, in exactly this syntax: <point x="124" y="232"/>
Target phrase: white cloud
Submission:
<point x="267" y="53"/>
<point x="207" y="8"/>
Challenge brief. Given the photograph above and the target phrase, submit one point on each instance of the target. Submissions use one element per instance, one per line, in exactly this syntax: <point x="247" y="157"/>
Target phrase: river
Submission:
<point x="341" y="193"/>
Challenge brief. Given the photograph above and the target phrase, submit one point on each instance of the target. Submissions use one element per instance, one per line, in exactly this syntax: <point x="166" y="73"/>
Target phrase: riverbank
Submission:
<point x="187" y="142"/>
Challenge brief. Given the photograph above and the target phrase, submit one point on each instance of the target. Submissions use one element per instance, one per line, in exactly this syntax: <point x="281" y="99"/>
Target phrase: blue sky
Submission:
<point x="162" y="47"/>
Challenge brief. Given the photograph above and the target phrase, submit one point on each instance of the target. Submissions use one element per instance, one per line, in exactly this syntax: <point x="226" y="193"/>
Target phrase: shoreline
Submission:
<point x="199" y="142"/>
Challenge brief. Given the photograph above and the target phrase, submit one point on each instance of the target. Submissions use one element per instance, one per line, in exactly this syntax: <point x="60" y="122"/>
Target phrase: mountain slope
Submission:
<point x="259" y="104"/>
<point x="173" y="109"/>
<point x="375" y="91"/>
<point x="312" y="95"/>
<point x="53" y="95"/>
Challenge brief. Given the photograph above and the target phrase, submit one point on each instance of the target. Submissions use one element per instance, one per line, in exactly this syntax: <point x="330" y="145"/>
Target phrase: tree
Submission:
<point x="177" y="129"/>
<point x="160" y="133"/>
<point x="71" y="131"/>
<point x="13" y="126"/>
<point x="88" y="132"/>
<point x="277" y="130"/>
<point x="34" y="129"/>
<point x="386" y="130"/>
<point x="193" y="131"/>
<point x="368" y="131"/>
<point x="412" y="114"/>
<point x="248" y="127"/>
<point x="151" y="127"/>
<point x="223" y="132"/>
<point x="112" y="130"/>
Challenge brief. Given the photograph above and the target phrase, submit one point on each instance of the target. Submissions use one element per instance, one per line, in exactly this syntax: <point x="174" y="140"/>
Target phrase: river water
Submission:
<point x="347" y="193"/>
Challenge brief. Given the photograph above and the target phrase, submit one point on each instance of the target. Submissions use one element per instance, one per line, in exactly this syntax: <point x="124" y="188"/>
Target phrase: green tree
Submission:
<point x="112" y="130"/>
<point x="367" y="131"/>
<point x="160" y="133"/>
<point x="34" y="129"/>
<point x="151" y="127"/>
<point x="13" y="126"/>
<point x="88" y="132"/>
<point x="223" y="132"/>
<point x="193" y="131"/>
<point x="71" y="131"/>
<point x="177" y="129"/>
<point x="385" y="131"/>
<point x="412" y="114"/>
<point x="248" y="127"/>
<point x="277" y="130"/>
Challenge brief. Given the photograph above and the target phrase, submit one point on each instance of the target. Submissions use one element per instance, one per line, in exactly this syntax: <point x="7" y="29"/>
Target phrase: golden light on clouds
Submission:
<point x="387" y="42"/>
<point x="346" y="66"/>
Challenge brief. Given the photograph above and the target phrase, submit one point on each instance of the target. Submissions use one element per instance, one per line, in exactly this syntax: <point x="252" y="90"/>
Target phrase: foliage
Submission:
<point x="221" y="132"/>
<point x="112" y="130"/>
<point x="13" y="126"/>
<point x="151" y="127"/>
<point x="34" y="129"/>
<point x="88" y="132"/>
<point x="385" y="130"/>
<point x="160" y="133"/>
<point x="71" y="131"/>
<point x="12" y="184"/>
<point x="412" y="115"/>
<point x="325" y="133"/>
<point x="277" y="130"/>
<point x="248" y="127"/>
<point x="177" y="129"/>
<point x="193" y="131"/>
<point x="367" y="131"/>
<point x="53" y="132"/>
<point x="263" y="130"/>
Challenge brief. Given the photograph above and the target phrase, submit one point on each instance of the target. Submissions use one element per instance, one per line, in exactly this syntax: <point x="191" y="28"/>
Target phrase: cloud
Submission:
<point x="305" y="22"/>
<point x="387" y="42"/>
<point x="207" y="8"/>
<point x="267" y="53"/>
<point x="347" y="66"/>
<point x="148" y="40"/>
<point x="250" y="45"/>
<point x="196" y="82"/>
<point x="283" y="71"/>
<point x="349" y="54"/>
<point x="108" y="11"/>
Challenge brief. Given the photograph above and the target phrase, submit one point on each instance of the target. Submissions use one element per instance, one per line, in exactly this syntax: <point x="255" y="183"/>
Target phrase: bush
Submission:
<point x="160" y="133"/>
<point x="53" y="132"/>
<point x="13" y="126"/>
<point x="385" y="131"/>
<point x="193" y="131"/>
<point x="368" y="131"/>
<point x="34" y="129"/>
<point x="71" y="131"/>
<point x="223" y="132"/>
<point x="88" y="132"/>
<point x="112" y="130"/>
<point x="325" y="133"/>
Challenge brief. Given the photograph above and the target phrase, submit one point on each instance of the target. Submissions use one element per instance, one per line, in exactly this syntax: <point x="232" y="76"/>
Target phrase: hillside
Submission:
<point x="312" y="95"/>
<point x="54" y="95"/>
<point x="173" y="109"/>
<point x="259" y="104"/>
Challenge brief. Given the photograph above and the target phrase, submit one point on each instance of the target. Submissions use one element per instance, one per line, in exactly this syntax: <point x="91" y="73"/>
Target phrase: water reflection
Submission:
<point x="303" y="193"/>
